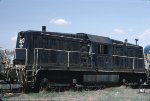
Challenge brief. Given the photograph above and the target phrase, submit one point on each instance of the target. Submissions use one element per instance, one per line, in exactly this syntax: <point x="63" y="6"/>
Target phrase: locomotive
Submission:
<point x="65" y="59"/>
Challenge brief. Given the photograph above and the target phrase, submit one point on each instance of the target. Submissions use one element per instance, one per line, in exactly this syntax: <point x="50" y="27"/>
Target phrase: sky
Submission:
<point x="116" y="19"/>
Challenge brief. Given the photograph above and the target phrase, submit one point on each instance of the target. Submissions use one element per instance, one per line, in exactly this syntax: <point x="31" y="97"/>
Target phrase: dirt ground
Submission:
<point x="121" y="93"/>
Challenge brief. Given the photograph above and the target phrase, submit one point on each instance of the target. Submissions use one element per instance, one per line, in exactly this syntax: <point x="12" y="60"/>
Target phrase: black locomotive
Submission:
<point x="64" y="59"/>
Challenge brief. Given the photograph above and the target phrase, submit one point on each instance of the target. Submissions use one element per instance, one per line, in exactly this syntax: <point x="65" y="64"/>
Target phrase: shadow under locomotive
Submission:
<point x="65" y="59"/>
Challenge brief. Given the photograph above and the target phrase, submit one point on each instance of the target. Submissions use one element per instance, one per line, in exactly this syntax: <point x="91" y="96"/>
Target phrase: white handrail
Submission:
<point x="68" y="53"/>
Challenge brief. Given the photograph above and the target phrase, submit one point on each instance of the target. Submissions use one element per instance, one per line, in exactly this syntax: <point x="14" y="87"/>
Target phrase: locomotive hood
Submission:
<point x="99" y="39"/>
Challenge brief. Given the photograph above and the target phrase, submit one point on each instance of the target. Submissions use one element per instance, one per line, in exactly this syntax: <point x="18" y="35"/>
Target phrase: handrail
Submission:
<point x="127" y="57"/>
<point x="133" y="64"/>
<point x="36" y="56"/>
<point x="57" y="50"/>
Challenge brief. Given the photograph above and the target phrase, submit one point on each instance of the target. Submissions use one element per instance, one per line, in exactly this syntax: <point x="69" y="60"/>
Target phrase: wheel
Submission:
<point x="44" y="84"/>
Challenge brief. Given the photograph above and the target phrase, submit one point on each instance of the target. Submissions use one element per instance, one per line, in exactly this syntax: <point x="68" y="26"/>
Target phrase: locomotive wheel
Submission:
<point x="44" y="84"/>
<point x="26" y="89"/>
<point x="41" y="84"/>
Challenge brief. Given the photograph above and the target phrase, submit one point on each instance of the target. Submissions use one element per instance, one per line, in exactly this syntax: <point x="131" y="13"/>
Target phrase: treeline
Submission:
<point x="9" y="52"/>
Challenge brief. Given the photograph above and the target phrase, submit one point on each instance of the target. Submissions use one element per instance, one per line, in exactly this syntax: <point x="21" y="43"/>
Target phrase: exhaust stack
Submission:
<point x="44" y="28"/>
<point x="136" y="41"/>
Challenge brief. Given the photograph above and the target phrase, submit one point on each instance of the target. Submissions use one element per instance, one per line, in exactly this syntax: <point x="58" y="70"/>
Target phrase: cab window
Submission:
<point x="102" y="49"/>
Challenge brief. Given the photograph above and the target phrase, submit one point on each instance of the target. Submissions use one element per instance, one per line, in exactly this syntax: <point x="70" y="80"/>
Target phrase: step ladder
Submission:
<point x="84" y="54"/>
<point x="30" y="77"/>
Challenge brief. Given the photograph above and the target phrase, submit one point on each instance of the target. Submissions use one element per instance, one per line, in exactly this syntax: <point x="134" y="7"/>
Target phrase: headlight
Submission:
<point x="21" y="35"/>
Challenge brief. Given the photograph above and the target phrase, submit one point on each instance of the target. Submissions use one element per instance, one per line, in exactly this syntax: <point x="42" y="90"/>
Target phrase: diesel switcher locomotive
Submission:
<point x="64" y="59"/>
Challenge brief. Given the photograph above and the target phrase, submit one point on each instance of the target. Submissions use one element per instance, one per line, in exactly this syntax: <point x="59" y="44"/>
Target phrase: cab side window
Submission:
<point x="102" y="49"/>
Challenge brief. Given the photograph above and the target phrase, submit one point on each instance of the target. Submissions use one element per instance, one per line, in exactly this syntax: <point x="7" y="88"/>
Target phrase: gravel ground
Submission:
<point x="109" y="94"/>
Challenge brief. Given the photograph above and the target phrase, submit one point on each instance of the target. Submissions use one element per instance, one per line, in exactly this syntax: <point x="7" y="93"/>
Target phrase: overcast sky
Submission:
<point x="117" y="19"/>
